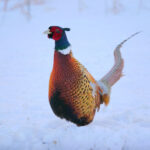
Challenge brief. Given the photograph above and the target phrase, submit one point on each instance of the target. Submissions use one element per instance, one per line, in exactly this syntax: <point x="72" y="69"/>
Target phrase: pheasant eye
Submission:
<point x="57" y="31"/>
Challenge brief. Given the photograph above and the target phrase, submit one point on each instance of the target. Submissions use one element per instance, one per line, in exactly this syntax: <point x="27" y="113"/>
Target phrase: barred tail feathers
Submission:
<point x="114" y="74"/>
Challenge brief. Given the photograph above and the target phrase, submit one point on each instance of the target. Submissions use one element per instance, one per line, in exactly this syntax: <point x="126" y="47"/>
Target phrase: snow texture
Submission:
<point x="26" y="58"/>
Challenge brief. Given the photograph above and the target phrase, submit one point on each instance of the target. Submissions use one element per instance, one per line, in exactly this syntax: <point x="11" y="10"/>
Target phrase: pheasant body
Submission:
<point x="71" y="93"/>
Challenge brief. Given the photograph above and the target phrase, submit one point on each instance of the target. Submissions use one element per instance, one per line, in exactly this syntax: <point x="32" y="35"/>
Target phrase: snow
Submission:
<point x="26" y="119"/>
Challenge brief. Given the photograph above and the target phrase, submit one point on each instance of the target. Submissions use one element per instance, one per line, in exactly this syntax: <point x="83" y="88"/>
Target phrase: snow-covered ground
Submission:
<point x="26" y="57"/>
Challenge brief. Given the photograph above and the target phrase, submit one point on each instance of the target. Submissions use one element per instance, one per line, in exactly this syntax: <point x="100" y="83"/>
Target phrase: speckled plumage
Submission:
<point x="70" y="91"/>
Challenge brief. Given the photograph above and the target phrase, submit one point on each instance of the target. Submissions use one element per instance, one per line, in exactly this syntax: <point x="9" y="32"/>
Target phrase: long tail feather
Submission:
<point x="115" y="73"/>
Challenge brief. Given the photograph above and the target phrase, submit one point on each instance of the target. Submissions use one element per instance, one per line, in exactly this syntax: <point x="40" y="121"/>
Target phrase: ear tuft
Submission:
<point x="66" y="29"/>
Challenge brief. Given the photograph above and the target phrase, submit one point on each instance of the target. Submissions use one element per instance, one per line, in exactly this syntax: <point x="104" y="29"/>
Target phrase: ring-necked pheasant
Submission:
<point x="73" y="93"/>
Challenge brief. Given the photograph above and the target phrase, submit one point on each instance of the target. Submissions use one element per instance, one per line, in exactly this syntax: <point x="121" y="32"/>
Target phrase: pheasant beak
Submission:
<point x="47" y="32"/>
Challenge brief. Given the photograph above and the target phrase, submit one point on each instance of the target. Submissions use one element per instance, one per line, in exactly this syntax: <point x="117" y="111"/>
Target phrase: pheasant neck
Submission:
<point x="62" y="44"/>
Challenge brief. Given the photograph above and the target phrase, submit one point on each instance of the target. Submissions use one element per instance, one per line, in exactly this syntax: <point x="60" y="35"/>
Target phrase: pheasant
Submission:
<point x="73" y="92"/>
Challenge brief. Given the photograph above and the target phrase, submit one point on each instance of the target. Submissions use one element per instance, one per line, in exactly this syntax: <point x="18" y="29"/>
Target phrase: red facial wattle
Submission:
<point x="57" y="33"/>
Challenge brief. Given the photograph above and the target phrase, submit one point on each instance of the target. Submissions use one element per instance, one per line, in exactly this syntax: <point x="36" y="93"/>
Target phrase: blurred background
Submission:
<point x="26" y="60"/>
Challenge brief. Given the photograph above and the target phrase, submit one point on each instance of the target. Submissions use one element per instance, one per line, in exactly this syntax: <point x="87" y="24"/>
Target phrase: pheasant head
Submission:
<point x="58" y="34"/>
